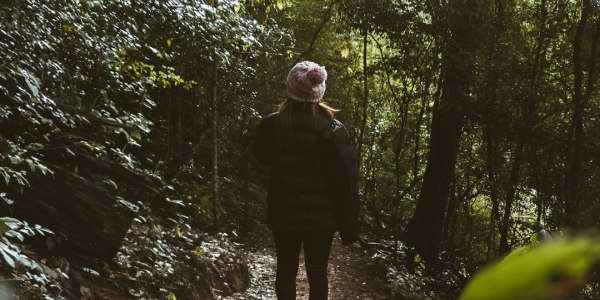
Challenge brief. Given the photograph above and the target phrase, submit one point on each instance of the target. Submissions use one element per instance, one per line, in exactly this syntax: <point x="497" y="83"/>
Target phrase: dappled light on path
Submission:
<point x="352" y="275"/>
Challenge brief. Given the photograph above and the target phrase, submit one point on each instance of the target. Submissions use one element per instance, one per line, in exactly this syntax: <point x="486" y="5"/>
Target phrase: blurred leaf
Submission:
<point x="534" y="238"/>
<point x="543" y="272"/>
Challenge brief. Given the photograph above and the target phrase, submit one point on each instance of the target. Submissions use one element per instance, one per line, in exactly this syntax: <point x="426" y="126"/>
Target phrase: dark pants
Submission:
<point x="316" y="255"/>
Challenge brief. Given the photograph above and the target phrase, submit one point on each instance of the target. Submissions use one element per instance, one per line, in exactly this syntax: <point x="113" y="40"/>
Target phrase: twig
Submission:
<point x="12" y="279"/>
<point x="311" y="46"/>
<point x="144" y="282"/>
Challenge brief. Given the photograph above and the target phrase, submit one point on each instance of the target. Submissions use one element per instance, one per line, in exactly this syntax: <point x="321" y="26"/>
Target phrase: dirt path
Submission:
<point x="355" y="275"/>
<point x="352" y="275"/>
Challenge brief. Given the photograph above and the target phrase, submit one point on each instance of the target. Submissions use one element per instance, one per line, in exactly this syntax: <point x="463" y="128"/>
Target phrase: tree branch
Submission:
<point x="311" y="46"/>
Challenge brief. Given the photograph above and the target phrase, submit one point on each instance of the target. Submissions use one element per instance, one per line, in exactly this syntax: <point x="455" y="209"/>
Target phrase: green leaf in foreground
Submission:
<point x="550" y="271"/>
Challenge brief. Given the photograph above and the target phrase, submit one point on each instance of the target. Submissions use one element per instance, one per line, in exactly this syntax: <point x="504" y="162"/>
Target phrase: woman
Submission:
<point x="312" y="183"/>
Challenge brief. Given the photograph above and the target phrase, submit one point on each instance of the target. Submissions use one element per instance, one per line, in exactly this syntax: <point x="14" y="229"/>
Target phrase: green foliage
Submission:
<point x="200" y="198"/>
<point x="61" y="75"/>
<point x="521" y="88"/>
<point x="165" y="77"/>
<point x="420" y="265"/>
<point x="16" y="230"/>
<point x="549" y="271"/>
<point x="103" y="80"/>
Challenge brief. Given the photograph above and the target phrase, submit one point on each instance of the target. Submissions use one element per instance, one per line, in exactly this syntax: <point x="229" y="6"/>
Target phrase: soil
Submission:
<point x="158" y="260"/>
<point x="169" y="259"/>
<point x="353" y="273"/>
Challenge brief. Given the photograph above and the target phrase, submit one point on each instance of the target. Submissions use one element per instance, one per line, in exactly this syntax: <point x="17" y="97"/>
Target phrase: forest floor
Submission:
<point x="355" y="272"/>
<point x="352" y="275"/>
<point x="164" y="258"/>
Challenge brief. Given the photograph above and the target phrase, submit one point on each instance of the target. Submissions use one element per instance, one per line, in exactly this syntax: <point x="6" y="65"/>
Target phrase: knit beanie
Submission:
<point x="306" y="82"/>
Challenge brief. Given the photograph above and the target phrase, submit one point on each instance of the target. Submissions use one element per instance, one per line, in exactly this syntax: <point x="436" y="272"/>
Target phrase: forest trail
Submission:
<point x="352" y="275"/>
<point x="356" y="275"/>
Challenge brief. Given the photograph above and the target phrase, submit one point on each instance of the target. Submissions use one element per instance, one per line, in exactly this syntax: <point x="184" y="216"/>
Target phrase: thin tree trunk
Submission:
<point x="490" y="134"/>
<point x="540" y="193"/>
<point x="491" y="160"/>
<point x="528" y="115"/>
<point x="246" y="191"/>
<point x="580" y="99"/>
<point x="365" y="98"/>
<point x="573" y="163"/>
<point x="398" y="194"/>
<point x="215" y="156"/>
<point x="455" y="198"/>
<point x="417" y="135"/>
<point x="369" y="186"/>
<point x="448" y="238"/>
<point x="511" y="194"/>
<point x="169" y="125"/>
<point x="491" y="138"/>
<point x="179" y="140"/>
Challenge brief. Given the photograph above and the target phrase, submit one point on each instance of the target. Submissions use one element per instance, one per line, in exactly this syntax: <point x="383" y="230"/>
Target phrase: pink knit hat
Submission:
<point x="306" y="82"/>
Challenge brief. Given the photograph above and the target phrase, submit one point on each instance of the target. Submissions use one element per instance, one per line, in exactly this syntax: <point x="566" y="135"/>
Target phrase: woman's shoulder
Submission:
<point x="336" y="128"/>
<point x="338" y="123"/>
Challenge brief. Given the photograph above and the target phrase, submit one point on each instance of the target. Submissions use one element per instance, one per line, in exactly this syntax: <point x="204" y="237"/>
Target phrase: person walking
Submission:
<point x="313" y="189"/>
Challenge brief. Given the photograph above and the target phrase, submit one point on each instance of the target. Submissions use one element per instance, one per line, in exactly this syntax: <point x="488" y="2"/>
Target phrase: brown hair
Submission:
<point x="329" y="111"/>
<point x="285" y="116"/>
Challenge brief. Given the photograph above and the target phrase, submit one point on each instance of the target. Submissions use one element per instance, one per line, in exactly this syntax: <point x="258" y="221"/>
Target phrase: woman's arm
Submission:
<point x="344" y="174"/>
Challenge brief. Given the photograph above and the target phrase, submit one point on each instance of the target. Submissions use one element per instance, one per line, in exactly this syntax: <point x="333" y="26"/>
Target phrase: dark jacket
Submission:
<point x="310" y="182"/>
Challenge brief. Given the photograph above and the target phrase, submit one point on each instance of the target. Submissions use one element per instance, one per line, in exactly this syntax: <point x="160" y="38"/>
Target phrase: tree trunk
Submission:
<point x="492" y="155"/>
<point x="491" y="159"/>
<point x="424" y="230"/>
<point x="580" y="98"/>
<point x="528" y="115"/>
<point x="453" y="202"/>
<point x="416" y="162"/>
<point x="511" y="194"/>
<point x="365" y="98"/>
<point x="215" y="157"/>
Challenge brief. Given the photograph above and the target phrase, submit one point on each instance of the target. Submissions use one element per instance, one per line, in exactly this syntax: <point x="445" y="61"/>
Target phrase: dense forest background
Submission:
<point x="475" y="122"/>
